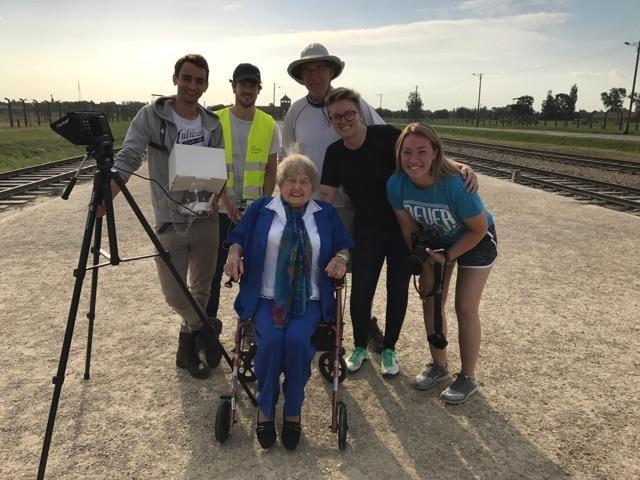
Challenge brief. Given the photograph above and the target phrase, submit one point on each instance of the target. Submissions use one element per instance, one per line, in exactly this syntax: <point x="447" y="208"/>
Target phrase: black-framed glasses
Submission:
<point x="348" y="116"/>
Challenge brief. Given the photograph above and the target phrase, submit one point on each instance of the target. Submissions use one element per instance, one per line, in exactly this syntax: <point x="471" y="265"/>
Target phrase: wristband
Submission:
<point x="342" y="257"/>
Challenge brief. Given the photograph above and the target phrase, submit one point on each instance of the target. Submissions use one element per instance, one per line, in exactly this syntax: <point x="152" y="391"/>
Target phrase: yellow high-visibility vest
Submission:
<point x="256" y="156"/>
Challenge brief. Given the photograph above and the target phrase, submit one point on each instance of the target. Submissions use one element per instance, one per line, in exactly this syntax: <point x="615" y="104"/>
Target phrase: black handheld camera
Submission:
<point x="421" y="240"/>
<point x="84" y="128"/>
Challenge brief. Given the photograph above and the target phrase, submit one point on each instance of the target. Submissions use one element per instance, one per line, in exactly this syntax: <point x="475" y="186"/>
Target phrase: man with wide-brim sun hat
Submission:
<point x="308" y="130"/>
<point x="315" y="52"/>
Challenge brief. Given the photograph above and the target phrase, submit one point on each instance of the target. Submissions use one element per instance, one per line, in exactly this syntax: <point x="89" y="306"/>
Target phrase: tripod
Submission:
<point x="103" y="153"/>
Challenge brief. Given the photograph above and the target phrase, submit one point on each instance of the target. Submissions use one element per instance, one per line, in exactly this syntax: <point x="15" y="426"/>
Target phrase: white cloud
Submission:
<point x="587" y="75"/>
<point x="616" y="74"/>
<point x="498" y="8"/>
<point x="231" y="7"/>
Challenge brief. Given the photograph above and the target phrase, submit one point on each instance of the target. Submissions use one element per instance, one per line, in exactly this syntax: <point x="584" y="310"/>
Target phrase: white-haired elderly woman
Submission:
<point x="285" y="251"/>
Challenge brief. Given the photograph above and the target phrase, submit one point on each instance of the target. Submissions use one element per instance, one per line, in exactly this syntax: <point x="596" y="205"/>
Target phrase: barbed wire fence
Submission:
<point x="22" y="113"/>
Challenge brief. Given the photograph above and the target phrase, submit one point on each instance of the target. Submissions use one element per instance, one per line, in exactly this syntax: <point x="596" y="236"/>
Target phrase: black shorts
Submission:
<point x="483" y="254"/>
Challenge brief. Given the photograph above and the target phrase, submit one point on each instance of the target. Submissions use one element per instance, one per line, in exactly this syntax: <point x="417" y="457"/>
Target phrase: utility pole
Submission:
<point x="274" y="94"/>
<point x="633" y="87"/>
<point x="79" y="92"/>
<point x="380" y="95"/>
<point x="479" y="75"/>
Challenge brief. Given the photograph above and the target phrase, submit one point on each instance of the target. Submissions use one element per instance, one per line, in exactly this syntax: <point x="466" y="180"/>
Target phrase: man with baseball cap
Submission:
<point x="308" y="130"/>
<point x="251" y="144"/>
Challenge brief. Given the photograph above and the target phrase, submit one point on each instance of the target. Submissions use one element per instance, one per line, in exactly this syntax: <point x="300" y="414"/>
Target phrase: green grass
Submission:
<point x="599" y="147"/>
<point x="23" y="147"/>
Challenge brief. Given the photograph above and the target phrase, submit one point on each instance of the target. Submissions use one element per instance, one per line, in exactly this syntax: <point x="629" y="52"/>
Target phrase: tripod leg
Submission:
<point x="167" y="260"/>
<point x="114" y="257"/>
<point x="91" y="315"/>
<point x="79" y="273"/>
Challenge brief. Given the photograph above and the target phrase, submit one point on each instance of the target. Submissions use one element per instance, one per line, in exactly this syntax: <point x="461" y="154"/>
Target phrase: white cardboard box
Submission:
<point x="197" y="168"/>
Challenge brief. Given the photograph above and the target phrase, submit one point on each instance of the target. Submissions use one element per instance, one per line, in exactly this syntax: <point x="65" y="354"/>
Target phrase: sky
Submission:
<point x="125" y="51"/>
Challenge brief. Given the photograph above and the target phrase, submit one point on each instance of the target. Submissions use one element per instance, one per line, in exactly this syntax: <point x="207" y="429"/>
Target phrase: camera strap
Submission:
<point x="437" y="339"/>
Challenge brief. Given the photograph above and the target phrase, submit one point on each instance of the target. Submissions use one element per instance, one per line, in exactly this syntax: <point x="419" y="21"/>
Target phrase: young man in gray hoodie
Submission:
<point x="191" y="242"/>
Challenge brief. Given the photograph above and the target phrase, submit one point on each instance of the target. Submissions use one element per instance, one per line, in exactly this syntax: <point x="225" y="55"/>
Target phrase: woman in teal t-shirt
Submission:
<point x="427" y="193"/>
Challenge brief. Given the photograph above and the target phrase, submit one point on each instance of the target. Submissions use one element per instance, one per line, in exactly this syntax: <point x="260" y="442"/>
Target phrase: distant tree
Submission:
<point x="612" y="101"/>
<point x="523" y="108"/>
<point x="385" y="112"/>
<point x="564" y="107"/>
<point x="414" y="105"/>
<point x="549" y="109"/>
<point x="499" y="112"/>
<point x="441" y="114"/>
<point x="573" y="94"/>
<point x="464" y="112"/>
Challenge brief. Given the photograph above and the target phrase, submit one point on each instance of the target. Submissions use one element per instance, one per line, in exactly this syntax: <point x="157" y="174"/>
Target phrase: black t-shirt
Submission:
<point x="364" y="173"/>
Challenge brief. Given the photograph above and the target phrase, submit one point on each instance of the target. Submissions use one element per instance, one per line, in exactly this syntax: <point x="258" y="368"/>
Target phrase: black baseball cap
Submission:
<point x="246" y="71"/>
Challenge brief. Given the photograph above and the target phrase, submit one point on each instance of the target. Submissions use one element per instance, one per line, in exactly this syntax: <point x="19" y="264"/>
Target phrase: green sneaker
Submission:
<point x="389" y="363"/>
<point x="359" y="355"/>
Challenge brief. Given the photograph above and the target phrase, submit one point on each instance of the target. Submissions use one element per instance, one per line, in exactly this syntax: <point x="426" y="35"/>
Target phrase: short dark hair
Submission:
<point x="194" y="58"/>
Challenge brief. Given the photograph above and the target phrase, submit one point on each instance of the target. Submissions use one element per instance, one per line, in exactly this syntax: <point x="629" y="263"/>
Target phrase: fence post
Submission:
<point x="37" y="108"/>
<point x="24" y="111"/>
<point x="10" y="114"/>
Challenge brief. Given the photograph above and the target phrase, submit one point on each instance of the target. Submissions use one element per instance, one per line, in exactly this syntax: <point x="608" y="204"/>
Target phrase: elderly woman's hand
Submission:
<point x="234" y="267"/>
<point x="337" y="266"/>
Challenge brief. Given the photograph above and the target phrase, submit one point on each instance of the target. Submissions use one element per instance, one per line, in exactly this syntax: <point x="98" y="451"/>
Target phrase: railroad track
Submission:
<point x="605" y="194"/>
<point x="623" y="166"/>
<point x="18" y="187"/>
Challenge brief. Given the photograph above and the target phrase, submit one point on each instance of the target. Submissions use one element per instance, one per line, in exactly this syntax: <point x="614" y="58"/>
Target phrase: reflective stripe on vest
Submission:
<point x="256" y="156"/>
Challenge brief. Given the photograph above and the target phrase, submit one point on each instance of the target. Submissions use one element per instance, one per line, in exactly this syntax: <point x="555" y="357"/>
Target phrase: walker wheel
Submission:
<point x="325" y="365"/>
<point x="342" y="426"/>
<point x="223" y="420"/>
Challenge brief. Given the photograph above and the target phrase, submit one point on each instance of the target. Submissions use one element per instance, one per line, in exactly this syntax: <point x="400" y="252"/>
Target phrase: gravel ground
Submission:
<point x="558" y="367"/>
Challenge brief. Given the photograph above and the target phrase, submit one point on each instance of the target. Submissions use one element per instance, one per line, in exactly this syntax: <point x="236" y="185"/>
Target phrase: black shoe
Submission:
<point x="266" y="433"/>
<point x="376" y="337"/>
<point x="291" y="434"/>
<point x="212" y="349"/>
<point x="187" y="356"/>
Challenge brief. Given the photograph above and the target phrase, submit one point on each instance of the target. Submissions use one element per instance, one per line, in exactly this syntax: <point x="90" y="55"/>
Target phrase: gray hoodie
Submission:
<point x="145" y="129"/>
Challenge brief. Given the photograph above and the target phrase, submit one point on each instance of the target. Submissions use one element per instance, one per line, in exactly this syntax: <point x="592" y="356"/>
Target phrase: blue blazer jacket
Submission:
<point x="251" y="233"/>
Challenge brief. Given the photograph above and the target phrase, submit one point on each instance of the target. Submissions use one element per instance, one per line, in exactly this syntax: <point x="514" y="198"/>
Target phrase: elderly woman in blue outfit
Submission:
<point x="285" y="251"/>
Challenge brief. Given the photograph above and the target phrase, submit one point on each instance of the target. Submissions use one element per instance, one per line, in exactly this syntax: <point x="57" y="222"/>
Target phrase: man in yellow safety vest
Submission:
<point x="251" y="144"/>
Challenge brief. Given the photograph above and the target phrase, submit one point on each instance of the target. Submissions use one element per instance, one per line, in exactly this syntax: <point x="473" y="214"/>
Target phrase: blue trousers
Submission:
<point x="285" y="350"/>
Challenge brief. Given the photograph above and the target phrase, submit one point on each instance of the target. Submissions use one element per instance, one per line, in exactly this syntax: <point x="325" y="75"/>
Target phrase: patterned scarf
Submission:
<point x="293" y="268"/>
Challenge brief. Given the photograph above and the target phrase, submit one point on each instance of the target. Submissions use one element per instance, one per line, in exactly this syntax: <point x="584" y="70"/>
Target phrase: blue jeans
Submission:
<point x="373" y="247"/>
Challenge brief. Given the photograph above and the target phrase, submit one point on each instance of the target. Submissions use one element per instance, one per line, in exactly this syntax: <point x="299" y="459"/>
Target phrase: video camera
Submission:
<point x="84" y="128"/>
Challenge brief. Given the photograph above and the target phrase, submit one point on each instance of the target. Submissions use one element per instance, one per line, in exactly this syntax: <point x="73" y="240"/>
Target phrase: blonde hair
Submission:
<point x="440" y="166"/>
<point x="341" y="93"/>
<point x="297" y="163"/>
